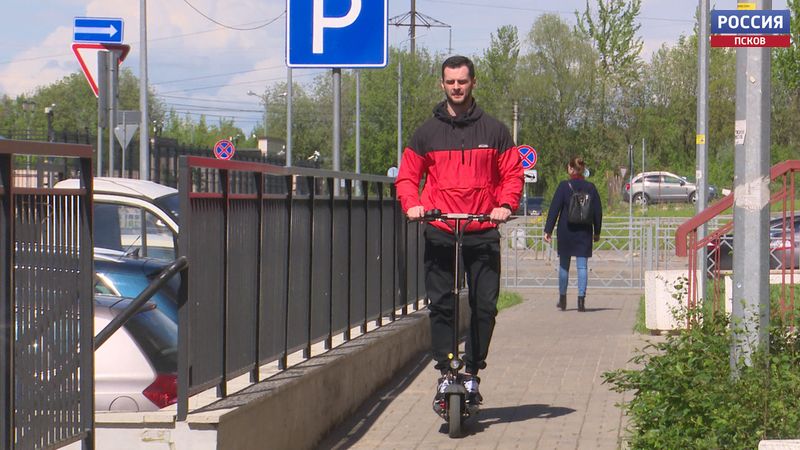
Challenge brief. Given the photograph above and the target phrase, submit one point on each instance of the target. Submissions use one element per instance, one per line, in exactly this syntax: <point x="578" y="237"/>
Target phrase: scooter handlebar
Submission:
<point x="436" y="214"/>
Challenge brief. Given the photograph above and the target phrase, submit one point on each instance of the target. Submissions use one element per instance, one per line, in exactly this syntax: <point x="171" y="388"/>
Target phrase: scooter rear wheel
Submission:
<point x="454" y="415"/>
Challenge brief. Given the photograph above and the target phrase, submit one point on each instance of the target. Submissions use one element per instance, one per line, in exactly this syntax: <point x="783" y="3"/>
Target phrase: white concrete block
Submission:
<point x="779" y="445"/>
<point x="664" y="295"/>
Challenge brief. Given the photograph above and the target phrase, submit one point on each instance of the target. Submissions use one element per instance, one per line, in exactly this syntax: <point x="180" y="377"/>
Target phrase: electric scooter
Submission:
<point x="453" y="407"/>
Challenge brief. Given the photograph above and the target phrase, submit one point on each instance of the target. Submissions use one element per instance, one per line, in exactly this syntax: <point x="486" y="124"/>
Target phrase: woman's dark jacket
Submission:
<point x="574" y="240"/>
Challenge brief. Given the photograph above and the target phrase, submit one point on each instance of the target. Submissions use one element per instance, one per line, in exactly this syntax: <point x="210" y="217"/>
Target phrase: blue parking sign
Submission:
<point x="336" y="33"/>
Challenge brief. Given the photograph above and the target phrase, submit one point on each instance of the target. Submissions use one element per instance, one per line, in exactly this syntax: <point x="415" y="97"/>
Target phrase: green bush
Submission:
<point x="685" y="395"/>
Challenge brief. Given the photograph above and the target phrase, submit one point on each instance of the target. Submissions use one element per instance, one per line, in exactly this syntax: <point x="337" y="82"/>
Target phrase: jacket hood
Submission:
<point x="473" y="114"/>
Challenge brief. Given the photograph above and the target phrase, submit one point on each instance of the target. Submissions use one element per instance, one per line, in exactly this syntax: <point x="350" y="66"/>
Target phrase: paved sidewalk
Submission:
<point x="542" y="389"/>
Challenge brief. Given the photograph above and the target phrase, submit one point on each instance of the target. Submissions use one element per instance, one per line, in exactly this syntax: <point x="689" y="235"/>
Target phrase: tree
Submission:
<point x="614" y="34"/>
<point x="497" y="74"/>
<point x="559" y="72"/>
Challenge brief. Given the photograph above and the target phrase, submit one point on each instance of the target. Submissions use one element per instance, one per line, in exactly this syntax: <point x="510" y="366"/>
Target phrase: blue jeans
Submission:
<point x="563" y="274"/>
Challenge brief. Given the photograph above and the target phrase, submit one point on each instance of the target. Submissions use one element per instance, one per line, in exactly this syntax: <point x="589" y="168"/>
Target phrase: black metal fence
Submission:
<point x="283" y="258"/>
<point x="46" y="304"/>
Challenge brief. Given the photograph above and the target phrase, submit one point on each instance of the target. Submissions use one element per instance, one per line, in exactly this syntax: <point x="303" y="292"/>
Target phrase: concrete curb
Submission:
<point x="297" y="408"/>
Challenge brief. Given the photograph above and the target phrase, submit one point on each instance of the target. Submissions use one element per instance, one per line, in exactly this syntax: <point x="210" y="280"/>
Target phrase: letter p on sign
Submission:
<point x="321" y="22"/>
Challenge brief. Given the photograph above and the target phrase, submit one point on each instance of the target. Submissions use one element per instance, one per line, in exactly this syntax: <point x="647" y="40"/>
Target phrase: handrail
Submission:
<point x="681" y="234"/>
<point x="159" y="282"/>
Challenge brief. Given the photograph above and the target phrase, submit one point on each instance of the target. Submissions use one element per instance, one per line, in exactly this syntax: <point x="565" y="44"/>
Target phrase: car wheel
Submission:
<point x="641" y="199"/>
<point x="693" y="198"/>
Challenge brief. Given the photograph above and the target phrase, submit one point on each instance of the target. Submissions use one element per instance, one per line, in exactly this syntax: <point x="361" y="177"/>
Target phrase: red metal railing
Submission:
<point x="783" y="241"/>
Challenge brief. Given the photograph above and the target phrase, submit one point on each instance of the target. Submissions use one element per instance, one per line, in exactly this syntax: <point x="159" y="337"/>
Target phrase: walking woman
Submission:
<point x="575" y="235"/>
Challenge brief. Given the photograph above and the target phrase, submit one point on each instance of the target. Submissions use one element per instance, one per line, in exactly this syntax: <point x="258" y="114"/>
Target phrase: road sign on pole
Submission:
<point x="87" y="57"/>
<point x="224" y="149"/>
<point x="98" y="30"/>
<point x="327" y="33"/>
<point x="528" y="156"/>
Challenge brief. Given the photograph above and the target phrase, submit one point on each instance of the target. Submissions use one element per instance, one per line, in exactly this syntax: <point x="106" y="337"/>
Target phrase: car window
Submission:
<point x="170" y="204"/>
<point x="157" y="336"/>
<point x="130" y="229"/>
<point x="652" y="179"/>
<point x="671" y="180"/>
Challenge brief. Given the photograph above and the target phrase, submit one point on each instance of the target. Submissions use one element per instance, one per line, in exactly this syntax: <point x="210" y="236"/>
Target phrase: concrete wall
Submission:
<point x="294" y="409"/>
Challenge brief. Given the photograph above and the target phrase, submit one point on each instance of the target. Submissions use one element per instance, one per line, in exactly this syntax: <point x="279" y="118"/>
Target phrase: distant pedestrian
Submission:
<point x="574" y="239"/>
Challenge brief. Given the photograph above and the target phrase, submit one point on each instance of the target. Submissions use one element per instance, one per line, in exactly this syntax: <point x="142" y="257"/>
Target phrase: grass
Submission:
<point x="640" y="325"/>
<point x="508" y="299"/>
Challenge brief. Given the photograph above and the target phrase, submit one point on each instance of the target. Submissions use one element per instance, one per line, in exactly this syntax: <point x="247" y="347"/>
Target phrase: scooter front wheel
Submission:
<point x="454" y="415"/>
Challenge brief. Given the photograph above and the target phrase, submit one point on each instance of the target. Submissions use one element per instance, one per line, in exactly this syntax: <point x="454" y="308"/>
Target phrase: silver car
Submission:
<point x="657" y="187"/>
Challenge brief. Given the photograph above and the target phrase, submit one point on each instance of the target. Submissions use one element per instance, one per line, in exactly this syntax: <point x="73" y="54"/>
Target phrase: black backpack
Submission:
<point x="579" y="210"/>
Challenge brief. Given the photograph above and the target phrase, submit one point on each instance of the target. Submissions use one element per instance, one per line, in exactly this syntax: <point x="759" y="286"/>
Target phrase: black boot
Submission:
<point x="582" y="303"/>
<point x="562" y="302"/>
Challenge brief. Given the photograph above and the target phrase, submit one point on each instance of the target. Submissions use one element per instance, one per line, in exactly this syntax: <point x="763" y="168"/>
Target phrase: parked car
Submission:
<point x="136" y="368"/>
<point x="127" y="276"/>
<point x="720" y="253"/>
<point x="657" y="187"/>
<point x="534" y="206"/>
<point x="133" y="216"/>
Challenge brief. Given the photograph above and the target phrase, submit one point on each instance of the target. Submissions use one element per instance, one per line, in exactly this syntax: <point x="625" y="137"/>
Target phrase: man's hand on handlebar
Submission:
<point x="415" y="212"/>
<point x="500" y="215"/>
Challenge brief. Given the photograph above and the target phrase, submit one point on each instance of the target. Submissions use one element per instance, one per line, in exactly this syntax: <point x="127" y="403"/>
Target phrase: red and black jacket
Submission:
<point x="471" y="163"/>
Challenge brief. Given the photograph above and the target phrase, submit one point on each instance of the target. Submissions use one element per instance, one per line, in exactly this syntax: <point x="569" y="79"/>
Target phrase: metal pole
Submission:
<point x="642" y="160"/>
<point x="144" y="126"/>
<point x="337" y="119"/>
<point x="413" y="28"/>
<point x="289" y="98"/>
<point x="102" y="104"/>
<point x="750" y="323"/>
<point x="113" y="66"/>
<point x="358" y="122"/>
<point x="701" y="175"/>
<point x="399" y="108"/>
<point x="266" y="102"/>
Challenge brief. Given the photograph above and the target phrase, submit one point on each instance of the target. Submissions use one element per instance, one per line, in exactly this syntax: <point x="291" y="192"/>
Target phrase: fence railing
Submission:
<point x="283" y="258"/>
<point x="628" y="247"/>
<point x="46" y="303"/>
<point x="717" y="245"/>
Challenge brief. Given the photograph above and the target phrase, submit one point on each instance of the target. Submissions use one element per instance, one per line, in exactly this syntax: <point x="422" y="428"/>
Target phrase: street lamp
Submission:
<point x="265" y="100"/>
<point x="28" y="106"/>
<point x="49" y="110"/>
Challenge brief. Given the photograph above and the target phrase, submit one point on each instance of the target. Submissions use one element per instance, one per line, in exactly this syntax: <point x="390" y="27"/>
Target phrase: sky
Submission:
<point x="204" y="56"/>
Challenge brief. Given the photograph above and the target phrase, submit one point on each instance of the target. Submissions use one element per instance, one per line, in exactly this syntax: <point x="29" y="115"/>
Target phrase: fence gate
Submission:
<point x="46" y="304"/>
<point x="627" y="248"/>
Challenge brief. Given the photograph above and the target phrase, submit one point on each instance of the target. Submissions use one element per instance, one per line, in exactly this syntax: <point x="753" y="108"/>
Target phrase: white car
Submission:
<point x="136" y="368"/>
<point x="133" y="216"/>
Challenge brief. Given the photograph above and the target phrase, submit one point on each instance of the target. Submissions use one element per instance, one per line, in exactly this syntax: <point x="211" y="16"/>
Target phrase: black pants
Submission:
<point x="481" y="261"/>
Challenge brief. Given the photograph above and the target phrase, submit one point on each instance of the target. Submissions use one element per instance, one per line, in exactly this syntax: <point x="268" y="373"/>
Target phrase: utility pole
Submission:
<point x="144" y="128"/>
<point x="750" y="317"/>
<point x="414" y="19"/>
<point x="701" y="174"/>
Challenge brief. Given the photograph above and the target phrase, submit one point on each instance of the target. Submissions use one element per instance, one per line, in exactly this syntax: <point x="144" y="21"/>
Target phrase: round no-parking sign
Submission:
<point x="224" y="149"/>
<point x="528" y="156"/>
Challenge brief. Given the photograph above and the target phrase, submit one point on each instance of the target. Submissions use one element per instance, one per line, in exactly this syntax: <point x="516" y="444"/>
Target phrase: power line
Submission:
<point x="243" y="83"/>
<point x="269" y="22"/>
<point x="217" y="75"/>
<point x="179" y="97"/>
<point x="541" y="10"/>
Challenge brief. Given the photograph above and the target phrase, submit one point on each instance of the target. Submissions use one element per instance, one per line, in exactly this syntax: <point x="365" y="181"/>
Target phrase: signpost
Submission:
<point x="224" y="149"/>
<point x="528" y="156"/>
<point x="87" y="58"/>
<point x="324" y="33"/>
<point x="98" y="30"/>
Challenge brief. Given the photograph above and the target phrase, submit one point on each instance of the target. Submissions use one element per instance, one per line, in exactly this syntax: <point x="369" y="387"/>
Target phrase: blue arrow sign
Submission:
<point x="101" y="30"/>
